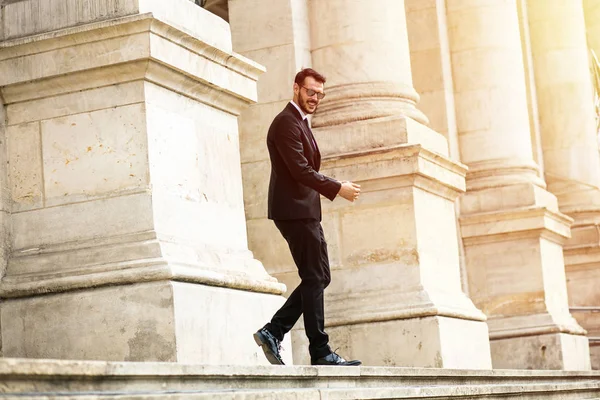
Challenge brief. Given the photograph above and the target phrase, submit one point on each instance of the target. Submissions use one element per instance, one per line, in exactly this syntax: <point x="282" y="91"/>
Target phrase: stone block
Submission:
<point x="595" y="354"/>
<point x="80" y="221"/>
<point x="221" y="334"/>
<point x="76" y="103"/>
<point x="275" y="20"/>
<point x="514" y="283"/>
<point x="127" y="323"/>
<point x="267" y="244"/>
<point x="94" y="154"/>
<point x="30" y="17"/>
<point x="470" y="16"/>
<point x="256" y="176"/>
<point x="423" y="25"/>
<point x="432" y="342"/>
<point x="550" y="351"/>
<point x="506" y="198"/>
<point x="141" y="322"/>
<point x="582" y="285"/>
<point x="25" y="170"/>
<point x="379" y="133"/>
<point x="254" y="123"/>
<point x="277" y="83"/>
<point x="68" y="59"/>
<point x="437" y="108"/>
<point x="367" y="237"/>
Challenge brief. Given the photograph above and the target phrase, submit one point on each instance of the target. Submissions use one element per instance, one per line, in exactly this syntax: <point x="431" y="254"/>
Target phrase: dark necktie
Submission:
<point x="310" y="135"/>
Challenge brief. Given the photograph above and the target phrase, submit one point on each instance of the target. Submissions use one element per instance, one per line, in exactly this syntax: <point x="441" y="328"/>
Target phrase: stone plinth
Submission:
<point x="128" y="234"/>
<point x="517" y="277"/>
<point x="396" y="275"/>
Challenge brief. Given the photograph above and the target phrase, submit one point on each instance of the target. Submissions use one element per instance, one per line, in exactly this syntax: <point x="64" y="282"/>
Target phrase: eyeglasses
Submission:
<point x="311" y="93"/>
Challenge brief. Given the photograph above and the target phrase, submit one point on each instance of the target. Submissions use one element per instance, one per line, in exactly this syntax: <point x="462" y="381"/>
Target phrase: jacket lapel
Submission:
<point x="313" y="142"/>
<point x="316" y="159"/>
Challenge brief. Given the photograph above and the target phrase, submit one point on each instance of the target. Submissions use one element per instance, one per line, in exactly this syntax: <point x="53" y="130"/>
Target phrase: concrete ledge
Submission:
<point x="23" y="378"/>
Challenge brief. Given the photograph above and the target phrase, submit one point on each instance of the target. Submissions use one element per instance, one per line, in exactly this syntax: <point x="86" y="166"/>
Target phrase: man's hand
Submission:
<point x="350" y="191"/>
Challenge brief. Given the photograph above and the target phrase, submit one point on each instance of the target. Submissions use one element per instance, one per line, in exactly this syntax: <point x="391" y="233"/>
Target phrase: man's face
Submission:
<point x="307" y="103"/>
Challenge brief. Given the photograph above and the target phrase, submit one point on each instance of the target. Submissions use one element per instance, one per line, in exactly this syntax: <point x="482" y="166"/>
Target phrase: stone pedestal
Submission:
<point x="128" y="236"/>
<point x="571" y="158"/>
<point x="511" y="226"/>
<point x="396" y="276"/>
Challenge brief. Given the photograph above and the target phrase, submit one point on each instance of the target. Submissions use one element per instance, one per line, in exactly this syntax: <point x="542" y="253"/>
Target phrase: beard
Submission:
<point x="309" y="106"/>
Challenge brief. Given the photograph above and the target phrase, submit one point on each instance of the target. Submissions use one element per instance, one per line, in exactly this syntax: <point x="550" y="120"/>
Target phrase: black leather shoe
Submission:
<point x="334" y="359"/>
<point x="270" y="344"/>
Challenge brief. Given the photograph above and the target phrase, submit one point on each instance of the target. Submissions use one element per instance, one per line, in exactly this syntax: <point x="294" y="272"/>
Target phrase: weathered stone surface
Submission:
<point x="158" y="321"/>
<point x="98" y="380"/>
<point x="123" y="153"/>
<point x="511" y="227"/>
<point x="378" y="89"/>
<point x="29" y="17"/>
<point x="125" y="172"/>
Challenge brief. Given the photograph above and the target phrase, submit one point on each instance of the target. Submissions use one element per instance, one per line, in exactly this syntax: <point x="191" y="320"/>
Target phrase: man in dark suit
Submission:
<point x="295" y="208"/>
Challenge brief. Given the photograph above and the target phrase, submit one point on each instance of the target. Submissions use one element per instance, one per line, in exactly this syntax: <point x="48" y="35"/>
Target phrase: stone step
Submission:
<point x="59" y="379"/>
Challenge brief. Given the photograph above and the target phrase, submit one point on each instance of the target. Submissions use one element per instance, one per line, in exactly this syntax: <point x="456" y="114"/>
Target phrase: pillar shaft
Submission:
<point x="488" y="71"/>
<point x="511" y="227"/>
<point x="357" y="36"/>
<point x="431" y="67"/>
<point x="565" y="103"/>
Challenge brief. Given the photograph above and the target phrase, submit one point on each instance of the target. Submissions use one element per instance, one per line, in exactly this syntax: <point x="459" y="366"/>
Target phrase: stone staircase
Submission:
<point x="87" y="380"/>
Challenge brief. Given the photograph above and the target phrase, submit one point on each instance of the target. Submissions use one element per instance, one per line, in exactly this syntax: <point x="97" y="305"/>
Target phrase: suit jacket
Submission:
<point x="295" y="182"/>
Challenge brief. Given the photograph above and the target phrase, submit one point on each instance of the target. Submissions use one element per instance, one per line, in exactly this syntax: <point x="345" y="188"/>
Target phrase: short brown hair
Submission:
<point x="304" y="72"/>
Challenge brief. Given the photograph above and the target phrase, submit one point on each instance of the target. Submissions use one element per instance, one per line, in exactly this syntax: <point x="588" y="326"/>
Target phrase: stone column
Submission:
<point x="395" y="296"/>
<point x="129" y="240"/>
<point x="568" y="125"/>
<point x="511" y="226"/>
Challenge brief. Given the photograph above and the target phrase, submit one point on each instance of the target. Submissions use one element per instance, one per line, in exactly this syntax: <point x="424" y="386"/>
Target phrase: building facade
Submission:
<point x="134" y="194"/>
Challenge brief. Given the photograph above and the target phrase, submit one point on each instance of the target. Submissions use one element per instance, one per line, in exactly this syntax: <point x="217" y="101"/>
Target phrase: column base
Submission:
<point x="432" y="342"/>
<point x="595" y="353"/>
<point x="157" y="321"/>
<point x="560" y="351"/>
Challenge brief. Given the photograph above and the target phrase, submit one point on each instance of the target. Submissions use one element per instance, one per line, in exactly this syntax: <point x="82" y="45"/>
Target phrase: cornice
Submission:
<point x="126" y="49"/>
